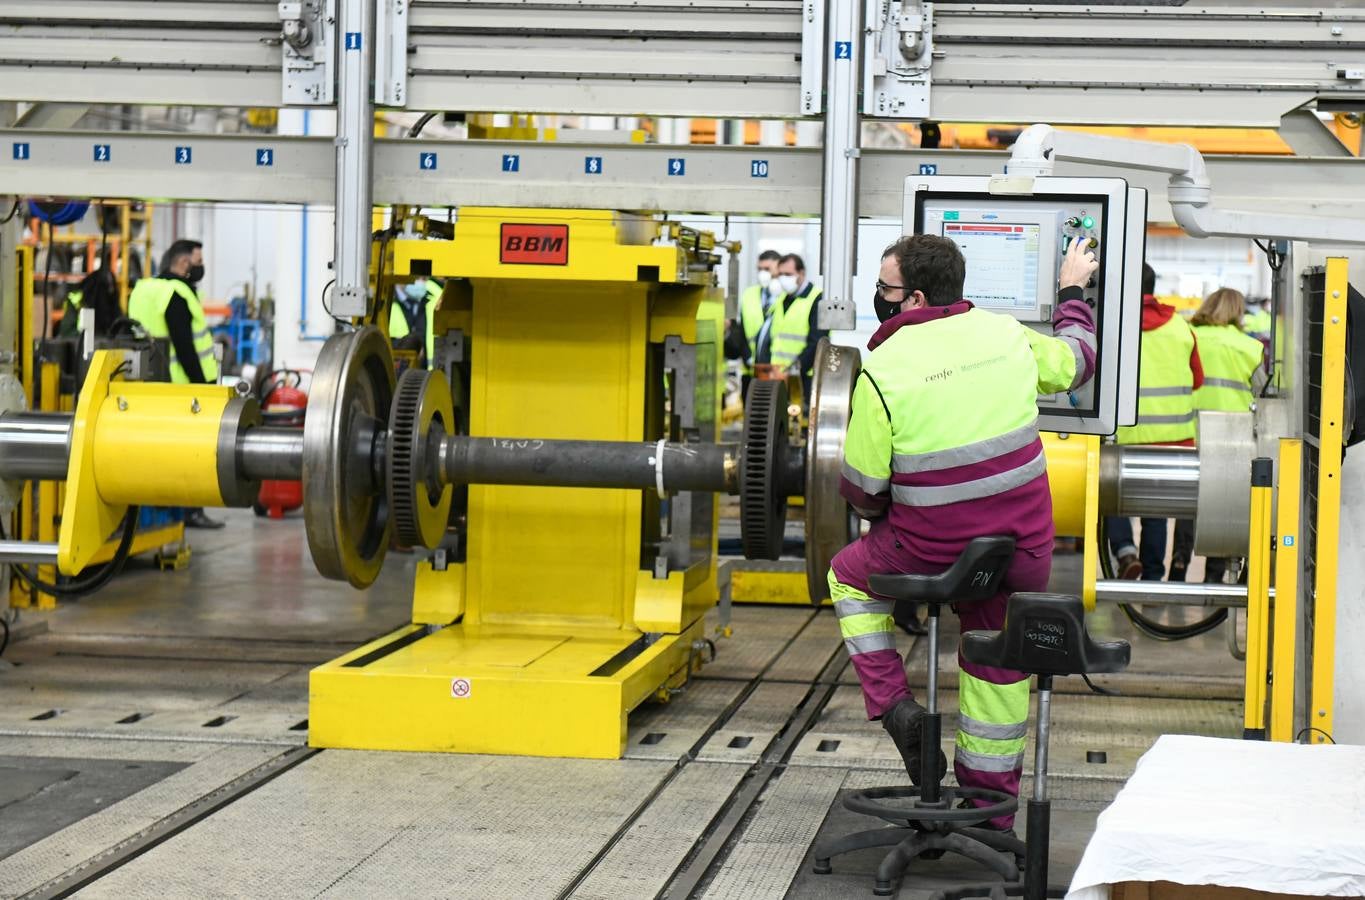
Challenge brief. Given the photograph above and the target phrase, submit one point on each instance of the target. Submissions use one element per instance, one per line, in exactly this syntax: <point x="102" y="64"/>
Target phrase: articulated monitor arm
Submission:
<point x="1191" y="196"/>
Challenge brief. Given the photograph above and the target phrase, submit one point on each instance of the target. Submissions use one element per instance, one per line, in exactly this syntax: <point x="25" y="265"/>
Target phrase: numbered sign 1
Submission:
<point x="843" y="49"/>
<point x="758" y="168"/>
<point x="426" y="162"/>
<point x="265" y="156"/>
<point x="20" y="150"/>
<point x="511" y="162"/>
<point x="592" y="165"/>
<point x="677" y="166"/>
<point x="928" y="168"/>
<point x="101" y="153"/>
<point x="182" y="156"/>
<point x="352" y="40"/>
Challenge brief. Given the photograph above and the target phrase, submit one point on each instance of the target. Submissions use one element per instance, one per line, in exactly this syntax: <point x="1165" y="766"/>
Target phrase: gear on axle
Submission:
<point x="763" y="504"/>
<point x="418" y="503"/>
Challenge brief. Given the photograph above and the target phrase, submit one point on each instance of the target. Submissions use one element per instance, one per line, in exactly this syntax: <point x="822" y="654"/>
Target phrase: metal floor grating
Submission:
<point x="169" y="650"/>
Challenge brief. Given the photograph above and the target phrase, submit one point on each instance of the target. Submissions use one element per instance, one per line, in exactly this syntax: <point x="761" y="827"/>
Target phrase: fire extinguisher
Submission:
<point x="283" y="406"/>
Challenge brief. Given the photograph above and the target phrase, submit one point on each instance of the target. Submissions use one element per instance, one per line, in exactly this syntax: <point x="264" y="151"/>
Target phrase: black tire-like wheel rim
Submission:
<point x="763" y="507"/>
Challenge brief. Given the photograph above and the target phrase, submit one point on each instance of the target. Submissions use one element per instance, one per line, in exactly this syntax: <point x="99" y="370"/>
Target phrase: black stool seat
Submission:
<point x="975" y="576"/>
<point x="1045" y="634"/>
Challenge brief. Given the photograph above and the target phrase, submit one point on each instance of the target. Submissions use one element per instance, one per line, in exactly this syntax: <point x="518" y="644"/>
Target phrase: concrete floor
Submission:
<point x="170" y="713"/>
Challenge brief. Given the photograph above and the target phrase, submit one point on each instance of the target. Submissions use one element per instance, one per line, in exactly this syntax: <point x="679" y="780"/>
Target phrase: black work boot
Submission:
<point x="904" y="722"/>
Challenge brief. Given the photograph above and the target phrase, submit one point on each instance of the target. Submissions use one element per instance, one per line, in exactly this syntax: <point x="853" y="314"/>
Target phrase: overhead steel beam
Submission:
<point x="1306" y="134"/>
<point x="1076" y="64"/>
<point x="625" y="176"/>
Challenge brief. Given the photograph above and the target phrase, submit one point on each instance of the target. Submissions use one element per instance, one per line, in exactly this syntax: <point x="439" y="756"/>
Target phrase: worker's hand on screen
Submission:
<point x="1077" y="266"/>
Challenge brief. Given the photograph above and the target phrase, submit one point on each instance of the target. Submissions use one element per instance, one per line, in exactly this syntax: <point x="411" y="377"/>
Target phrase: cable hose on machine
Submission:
<point x="93" y="581"/>
<point x="1150" y="627"/>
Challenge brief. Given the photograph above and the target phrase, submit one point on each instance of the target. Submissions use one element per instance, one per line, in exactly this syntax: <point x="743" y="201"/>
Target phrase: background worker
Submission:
<point x="1170" y="374"/>
<point x="168" y="306"/>
<point x="1233" y="376"/>
<point x="789" y="335"/>
<point x="412" y="323"/>
<point x="754" y="305"/>
<point x="942" y="448"/>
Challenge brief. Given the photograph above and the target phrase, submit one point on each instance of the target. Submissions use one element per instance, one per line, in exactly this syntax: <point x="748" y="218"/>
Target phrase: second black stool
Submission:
<point x="1044" y="635"/>
<point x="926" y="820"/>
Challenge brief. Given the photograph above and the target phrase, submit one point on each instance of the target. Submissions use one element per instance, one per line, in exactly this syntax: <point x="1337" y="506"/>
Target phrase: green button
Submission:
<point x="1088" y="222"/>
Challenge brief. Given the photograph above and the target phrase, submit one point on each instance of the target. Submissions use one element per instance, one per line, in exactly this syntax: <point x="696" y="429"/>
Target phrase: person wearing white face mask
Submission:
<point x="410" y="318"/>
<point x="788" y="337"/>
<point x="754" y="306"/>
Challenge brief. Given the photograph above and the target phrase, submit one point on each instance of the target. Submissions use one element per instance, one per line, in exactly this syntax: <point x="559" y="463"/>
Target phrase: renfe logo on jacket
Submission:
<point x="534" y="245"/>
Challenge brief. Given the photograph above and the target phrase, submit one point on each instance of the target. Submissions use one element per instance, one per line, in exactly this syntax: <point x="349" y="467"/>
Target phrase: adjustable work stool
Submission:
<point x="925" y="819"/>
<point x="1045" y="636"/>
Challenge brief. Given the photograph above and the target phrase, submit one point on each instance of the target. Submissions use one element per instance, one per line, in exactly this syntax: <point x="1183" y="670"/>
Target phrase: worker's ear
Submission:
<point x="916" y="300"/>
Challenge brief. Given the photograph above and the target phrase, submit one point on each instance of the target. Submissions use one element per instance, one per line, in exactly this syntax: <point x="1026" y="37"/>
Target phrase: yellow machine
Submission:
<point x="558" y="610"/>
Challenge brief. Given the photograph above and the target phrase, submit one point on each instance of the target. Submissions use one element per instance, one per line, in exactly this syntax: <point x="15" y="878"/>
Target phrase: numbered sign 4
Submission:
<point x="265" y="156"/>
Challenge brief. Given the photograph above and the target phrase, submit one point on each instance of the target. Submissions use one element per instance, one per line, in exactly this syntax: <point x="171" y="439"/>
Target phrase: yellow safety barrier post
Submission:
<point x="1328" y="523"/>
<point x="1286" y="613"/>
<point x="1258" y="599"/>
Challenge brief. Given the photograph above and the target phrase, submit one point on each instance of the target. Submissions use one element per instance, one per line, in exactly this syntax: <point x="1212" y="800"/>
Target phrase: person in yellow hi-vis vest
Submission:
<point x="789" y="335"/>
<point x="412" y="319"/>
<point x="942" y="448"/>
<point x="1170" y="374"/>
<point x="1234" y="373"/>
<point x="754" y="305"/>
<point x="168" y="306"/>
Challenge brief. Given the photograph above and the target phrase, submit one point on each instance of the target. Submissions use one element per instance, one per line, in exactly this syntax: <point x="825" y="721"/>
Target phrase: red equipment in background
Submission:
<point x="283" y="406"/>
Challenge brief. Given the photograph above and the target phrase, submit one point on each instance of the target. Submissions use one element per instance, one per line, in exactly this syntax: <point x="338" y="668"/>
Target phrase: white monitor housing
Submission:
<point x="1013" y="232"/>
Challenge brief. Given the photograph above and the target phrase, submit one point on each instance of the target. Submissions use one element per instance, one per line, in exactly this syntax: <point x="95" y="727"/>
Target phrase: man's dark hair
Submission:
<point x="767" y="255"/>
<point x="1148" y="280"/>
<point x="182" y="247"/>
<point x="931" y="265"/>
<point x="794" y="260"/>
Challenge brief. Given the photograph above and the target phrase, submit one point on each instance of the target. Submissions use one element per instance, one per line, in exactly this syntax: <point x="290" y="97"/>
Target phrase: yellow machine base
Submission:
<point x="773" y="586"/>
<point x="503" y="689"/>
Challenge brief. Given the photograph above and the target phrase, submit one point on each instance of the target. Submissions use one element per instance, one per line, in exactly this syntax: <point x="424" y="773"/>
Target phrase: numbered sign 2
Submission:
<point x="843" y="49"/>
<point x="183" y="156"/>
<point x="677" y="166"/>
<point x="101" y="153"/>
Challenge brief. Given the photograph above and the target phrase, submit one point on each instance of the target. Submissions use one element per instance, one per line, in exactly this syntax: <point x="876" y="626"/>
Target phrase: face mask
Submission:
<point x="886" y="309"/>
<point x="787" y="283"/>
<point x="765" y="278"/>
<point x="195" y="274"/>
<point x="415" y="290"/>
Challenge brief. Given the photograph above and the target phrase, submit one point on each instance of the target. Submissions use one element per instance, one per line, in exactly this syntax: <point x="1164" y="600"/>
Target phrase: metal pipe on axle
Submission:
<point x="271" y="454"/>
<point x="1139" y="480"/>
<point x="34" y="446"/>
<point x="593" y="464"/>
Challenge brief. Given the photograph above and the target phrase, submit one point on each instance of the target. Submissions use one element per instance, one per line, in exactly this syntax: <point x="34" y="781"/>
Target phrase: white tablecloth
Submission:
<point x="1286" y="818"/>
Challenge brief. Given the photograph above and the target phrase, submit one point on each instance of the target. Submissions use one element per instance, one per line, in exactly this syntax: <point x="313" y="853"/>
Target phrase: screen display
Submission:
<point x="1002" y="262"/>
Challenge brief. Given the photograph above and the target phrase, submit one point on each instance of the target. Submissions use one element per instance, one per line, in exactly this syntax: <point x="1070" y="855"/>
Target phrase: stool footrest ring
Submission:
<point x="870" y="803"/>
